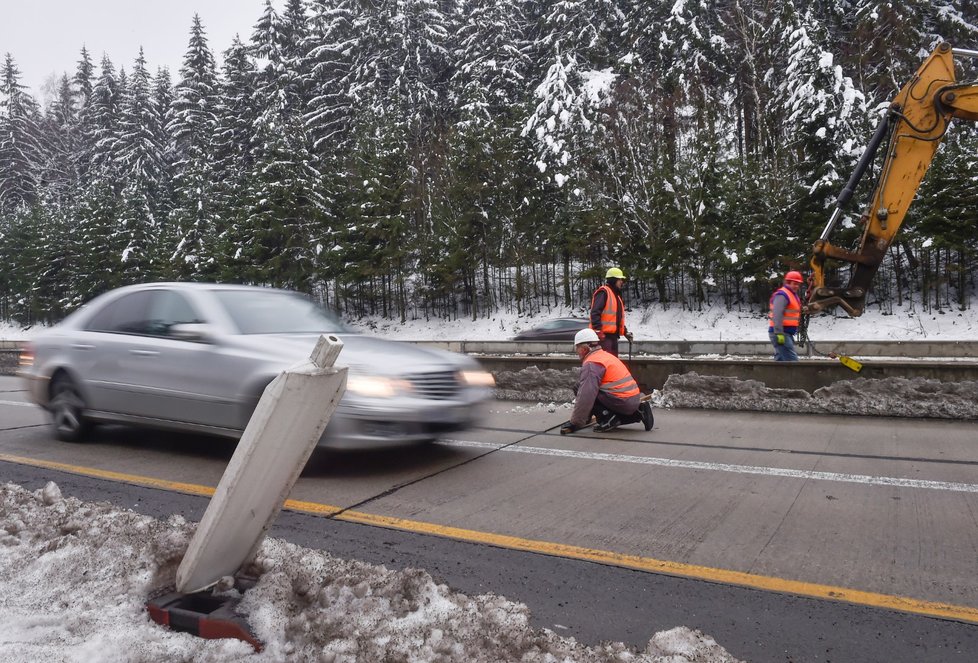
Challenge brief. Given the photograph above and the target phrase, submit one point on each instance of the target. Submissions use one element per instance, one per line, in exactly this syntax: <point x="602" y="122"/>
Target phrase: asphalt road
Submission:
<point x="787" y="538"/>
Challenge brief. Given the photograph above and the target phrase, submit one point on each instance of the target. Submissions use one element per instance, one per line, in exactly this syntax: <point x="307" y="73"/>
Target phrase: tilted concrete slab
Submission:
<point x="283" y="431"/>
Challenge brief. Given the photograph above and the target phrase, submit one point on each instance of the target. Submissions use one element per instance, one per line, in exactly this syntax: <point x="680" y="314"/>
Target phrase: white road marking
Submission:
<point x="723" y="467"/>
<point x="17" y="403"/>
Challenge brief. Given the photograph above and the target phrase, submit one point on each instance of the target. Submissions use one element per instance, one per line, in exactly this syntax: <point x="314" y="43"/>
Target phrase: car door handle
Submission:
<point x="145" y="353"/>
<point x="82" y="346"/>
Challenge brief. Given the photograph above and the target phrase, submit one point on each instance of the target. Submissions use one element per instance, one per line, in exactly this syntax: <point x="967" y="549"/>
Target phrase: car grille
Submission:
<point x="439" y="386"/>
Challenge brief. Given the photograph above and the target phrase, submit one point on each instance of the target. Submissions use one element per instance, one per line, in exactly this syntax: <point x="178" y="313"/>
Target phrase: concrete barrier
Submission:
<point x="759" y="348"/>
<point x="807" y="374"/>
<point x="741" y="359"/>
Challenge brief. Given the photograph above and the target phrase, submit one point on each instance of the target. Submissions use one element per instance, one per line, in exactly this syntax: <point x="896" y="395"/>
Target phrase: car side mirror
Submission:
<point x="192" y="331"/>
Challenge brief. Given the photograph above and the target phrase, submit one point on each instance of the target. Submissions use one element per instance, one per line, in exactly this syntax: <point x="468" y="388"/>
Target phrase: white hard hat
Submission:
<point x="586" y="335"/>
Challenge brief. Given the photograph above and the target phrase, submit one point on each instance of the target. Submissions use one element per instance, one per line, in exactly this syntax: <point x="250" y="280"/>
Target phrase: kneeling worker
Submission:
<point x="605" y="389"/>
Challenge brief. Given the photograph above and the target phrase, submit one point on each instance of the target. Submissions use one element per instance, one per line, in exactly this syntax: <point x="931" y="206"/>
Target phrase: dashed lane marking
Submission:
<point x="723" y="467"/>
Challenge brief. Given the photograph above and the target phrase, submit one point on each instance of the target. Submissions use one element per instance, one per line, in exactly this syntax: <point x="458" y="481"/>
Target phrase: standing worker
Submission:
<point x="784" y="317"/>
<point x="608" y="311"/>
<point x="605" y="390"/>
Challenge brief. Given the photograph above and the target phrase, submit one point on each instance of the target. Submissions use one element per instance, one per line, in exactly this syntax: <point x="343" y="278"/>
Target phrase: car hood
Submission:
<point x="362" y="354"/>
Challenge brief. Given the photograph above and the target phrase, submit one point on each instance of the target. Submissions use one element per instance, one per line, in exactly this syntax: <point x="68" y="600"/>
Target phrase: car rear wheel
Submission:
<point x="68" y="410"/>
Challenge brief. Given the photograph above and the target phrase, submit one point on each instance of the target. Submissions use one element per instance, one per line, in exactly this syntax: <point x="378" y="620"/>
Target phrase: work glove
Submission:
<point x="600" y="335"/>
<point x="567" y="427"/>
<point x="779" y="338"/>
<point x="630" y="336"/>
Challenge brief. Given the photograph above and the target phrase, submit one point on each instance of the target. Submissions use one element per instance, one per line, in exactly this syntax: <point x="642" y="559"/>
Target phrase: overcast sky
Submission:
<point x="45" y="37"/>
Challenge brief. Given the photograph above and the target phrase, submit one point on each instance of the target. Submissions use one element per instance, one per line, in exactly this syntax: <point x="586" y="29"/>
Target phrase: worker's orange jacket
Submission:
<point x="792" y="312"/>
<point x="610" y="323"/>
<point x="617" y="381"/>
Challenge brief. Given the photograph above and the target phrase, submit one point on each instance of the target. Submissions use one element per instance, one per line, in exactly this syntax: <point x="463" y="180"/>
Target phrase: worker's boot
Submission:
<point x="607" y="421"/>
<point x="645" y="409"/>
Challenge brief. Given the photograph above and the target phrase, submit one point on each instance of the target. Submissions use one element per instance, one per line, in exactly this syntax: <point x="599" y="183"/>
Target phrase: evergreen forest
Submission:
<point x="454" y="158"/>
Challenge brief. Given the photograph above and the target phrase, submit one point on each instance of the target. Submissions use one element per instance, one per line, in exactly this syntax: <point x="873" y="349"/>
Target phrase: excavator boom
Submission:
<point x="912" y="129"/>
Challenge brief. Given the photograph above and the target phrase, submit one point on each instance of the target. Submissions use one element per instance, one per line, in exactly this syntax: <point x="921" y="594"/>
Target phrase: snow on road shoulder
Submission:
<point x="74" y="577"/>
<point x="888" y="397"/>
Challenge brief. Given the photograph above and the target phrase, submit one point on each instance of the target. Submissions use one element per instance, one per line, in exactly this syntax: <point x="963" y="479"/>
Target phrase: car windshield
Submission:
<point x="275" y="312"/>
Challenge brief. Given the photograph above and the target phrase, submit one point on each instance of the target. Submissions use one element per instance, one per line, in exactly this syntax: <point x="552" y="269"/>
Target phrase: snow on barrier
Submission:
<point x="283" y="431"/>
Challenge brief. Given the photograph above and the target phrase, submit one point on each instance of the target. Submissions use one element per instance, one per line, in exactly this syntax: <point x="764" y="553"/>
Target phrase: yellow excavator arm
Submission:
<point x="912" y="128"/>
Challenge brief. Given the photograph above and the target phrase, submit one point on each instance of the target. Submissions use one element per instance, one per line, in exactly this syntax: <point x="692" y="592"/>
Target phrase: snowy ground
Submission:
<point x="714" y="323"/>
<point x="74" y="578"/>
<point x="711" y="324"/>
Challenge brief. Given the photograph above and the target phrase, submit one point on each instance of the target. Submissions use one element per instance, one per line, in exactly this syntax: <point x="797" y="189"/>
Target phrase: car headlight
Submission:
<point x="477" y="378"/>
<point x="26" y="358"/>
<point x="375" y="386"/>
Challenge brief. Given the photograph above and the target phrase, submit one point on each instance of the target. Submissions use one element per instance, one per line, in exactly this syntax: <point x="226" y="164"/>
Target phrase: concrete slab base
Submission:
<point x="204" y="614"/>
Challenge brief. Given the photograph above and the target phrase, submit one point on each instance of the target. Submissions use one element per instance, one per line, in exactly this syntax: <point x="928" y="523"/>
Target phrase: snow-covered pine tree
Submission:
<point x="192" y="121"/>
<point x="83" y="86"/>
<point x="329" y="118"/>
<point x="825" y="118"/>
<point x="101" y="121"/>
<point x="140" y="162"/>
<point x="234" y="152"/>
<point x="331" y="44"/>
<point x="942" y="225"/>
<point x="487" y="158"/>
<point x="59" y="174"/>
<point x="398" y="85"/>
<point x="283" y="202"/>
<point x="887" y="41"/>
<point x="21" y="151"/>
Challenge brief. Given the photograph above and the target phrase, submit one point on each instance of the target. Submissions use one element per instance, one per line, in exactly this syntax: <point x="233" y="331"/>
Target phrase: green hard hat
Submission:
<point x="614" y="273"/>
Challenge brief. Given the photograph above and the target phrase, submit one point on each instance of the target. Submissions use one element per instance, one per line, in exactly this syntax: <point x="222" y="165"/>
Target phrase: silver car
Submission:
<point x="197" y="357"/>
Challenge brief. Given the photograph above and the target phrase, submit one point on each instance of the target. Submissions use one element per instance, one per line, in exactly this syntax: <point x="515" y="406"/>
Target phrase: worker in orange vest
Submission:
<point x="608" y="311"/>
<point x="784" y="317"/>
<point x="605" y="390"/>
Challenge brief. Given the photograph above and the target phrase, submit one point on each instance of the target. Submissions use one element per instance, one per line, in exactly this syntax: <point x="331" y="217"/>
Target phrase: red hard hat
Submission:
<point x="794" y="276"/>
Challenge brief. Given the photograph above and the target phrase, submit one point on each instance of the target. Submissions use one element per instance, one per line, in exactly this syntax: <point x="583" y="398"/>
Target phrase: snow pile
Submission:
<point x="74" y="577"/>
<point x="892" y="397"/>
<point x="532" y="384"/>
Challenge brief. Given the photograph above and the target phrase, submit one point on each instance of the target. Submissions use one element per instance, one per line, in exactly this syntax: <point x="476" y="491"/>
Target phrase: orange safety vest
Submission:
<point x="792" y="312"/>
<point x="617" y="381"/>
<point x="609" y="314"/>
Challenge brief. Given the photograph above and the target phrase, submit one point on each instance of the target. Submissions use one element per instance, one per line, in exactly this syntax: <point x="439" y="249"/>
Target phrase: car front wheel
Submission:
<point x="67" y="410"/>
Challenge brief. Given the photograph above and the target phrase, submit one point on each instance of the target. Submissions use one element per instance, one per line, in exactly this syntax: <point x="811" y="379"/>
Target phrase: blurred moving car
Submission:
<point x="197" y="357"/>
<point x="558" y="329"/>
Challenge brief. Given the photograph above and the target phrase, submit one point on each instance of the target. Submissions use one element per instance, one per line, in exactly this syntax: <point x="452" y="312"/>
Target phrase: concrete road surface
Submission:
<point x="820" y="525"/>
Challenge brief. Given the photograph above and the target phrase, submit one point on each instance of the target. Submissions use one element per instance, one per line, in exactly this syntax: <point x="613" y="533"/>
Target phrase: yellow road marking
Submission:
<point x="191" y="488"/>
<point x="709" y="574"/>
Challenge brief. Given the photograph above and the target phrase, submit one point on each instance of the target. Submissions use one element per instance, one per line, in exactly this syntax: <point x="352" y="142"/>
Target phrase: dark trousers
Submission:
<point x="610" y="343"/>
<point x="605" y="403"/>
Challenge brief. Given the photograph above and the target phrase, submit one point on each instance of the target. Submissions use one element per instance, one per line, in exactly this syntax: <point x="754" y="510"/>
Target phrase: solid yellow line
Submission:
<point x="191" y="488"/>
<point x="709" y="574"/>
